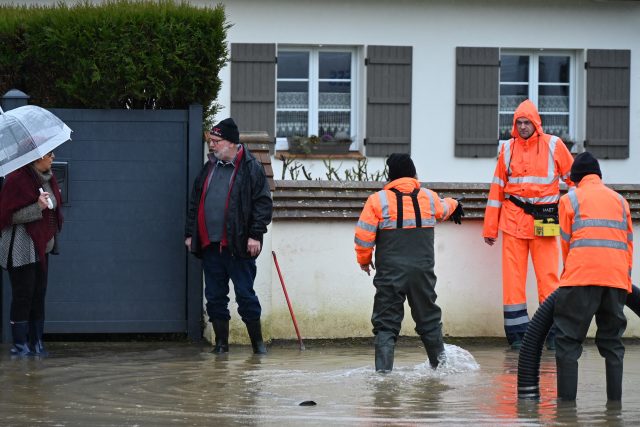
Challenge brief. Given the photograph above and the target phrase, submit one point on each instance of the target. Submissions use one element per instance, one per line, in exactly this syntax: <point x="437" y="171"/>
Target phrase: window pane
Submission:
<point x="293" y="95"/>
<point x="335" y="124"/>
<point x="553" y="99"/>
<point x="554" y="69"/>
<point x="335" y="95"/>
<point x="335" y="65"/>
<point x="506" y="124"/>
<point x="292" y="123"/>
<point x="514" y="68"/>
<point x="556" y="124"/>
<point x="512" y="95"/>
<point x="293" y="65"/>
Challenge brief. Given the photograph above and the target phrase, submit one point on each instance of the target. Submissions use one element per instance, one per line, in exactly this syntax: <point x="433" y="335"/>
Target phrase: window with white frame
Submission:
<point x="544" y="78"/>
<point x="315" y="93"/>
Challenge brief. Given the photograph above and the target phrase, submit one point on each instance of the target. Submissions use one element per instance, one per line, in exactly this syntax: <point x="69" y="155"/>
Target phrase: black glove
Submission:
<point x="457" y="215"/>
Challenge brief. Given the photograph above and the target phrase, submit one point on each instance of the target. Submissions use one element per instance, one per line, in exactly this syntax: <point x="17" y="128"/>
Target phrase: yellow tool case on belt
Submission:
<point x="546" y="227"/>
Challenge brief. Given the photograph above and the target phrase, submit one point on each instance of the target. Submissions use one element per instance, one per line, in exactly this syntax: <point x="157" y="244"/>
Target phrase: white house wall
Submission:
<point x="434" y="29"/>
<point x="333" y="298"/>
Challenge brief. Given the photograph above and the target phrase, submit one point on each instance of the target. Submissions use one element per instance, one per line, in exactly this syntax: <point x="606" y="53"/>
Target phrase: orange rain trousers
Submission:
<point x="545" y="254"/>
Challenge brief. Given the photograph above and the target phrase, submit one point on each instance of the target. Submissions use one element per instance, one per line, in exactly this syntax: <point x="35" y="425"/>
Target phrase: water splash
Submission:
<point x="456" y="360"/>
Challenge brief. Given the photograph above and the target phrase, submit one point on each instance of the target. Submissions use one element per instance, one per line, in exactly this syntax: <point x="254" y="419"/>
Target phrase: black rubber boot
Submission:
<point x="255" y="335"/>
<point x="36" y="330"/>
<point x="221" y="331"/>
<point x="435" y="351"/>
<point x="614" y="381"/>
<point x="567" y="380"/>
<point x="385" y="342"/>
<point x="20" y="346"/>
<point x="384" y="358"/>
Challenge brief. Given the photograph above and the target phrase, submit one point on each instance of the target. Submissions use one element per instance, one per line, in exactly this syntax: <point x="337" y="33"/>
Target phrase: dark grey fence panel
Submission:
<point x="123" y="267"/>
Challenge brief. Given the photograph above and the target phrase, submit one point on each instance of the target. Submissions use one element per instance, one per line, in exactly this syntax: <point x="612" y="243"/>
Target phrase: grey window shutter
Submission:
<point x="253" y="87"/>
<point x="388" y="100"/>
<point x="477" y="91"/>
<point x="608" y="92"/>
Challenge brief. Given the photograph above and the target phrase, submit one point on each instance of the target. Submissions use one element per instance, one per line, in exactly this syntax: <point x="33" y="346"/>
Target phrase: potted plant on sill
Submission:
<point x="325" y="144"/>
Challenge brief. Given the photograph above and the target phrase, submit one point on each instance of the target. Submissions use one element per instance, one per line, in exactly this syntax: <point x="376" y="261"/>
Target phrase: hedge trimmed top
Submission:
<point x="120" y="54"/>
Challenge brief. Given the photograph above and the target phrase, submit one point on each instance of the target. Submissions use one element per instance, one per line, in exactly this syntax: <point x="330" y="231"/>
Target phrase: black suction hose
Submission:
<point x="531" y="350"/>
<point x="633" y="300"/>
<point x="533" y="341"/>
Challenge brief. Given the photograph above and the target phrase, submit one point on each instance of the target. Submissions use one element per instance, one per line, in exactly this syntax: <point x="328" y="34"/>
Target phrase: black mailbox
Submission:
<point x="61" y="172"/>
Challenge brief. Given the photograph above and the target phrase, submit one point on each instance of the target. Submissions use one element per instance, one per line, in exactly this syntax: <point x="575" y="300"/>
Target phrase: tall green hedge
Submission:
<point x="119" y="54"/>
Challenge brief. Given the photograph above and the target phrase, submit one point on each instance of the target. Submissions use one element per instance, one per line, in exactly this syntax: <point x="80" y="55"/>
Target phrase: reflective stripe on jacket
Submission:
<point x="529" y="170"/>
<point x="380" y="212"/>
<point x="597" y="236"/>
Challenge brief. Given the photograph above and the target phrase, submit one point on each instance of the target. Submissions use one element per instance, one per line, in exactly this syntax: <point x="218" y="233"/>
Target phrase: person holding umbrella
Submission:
<point x="30" y="218"/>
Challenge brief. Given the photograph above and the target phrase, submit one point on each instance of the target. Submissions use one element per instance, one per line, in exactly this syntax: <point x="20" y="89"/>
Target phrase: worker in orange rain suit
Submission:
<point x="597" y="250"/>
<point x="398" y="221"/>
<point x="526" y="183"/>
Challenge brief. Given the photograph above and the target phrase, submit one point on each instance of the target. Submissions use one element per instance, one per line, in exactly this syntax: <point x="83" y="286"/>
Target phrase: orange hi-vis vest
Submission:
<point x="386" y="210"/>
<point x="597" y="236"/>
<point x="528" y="170"/>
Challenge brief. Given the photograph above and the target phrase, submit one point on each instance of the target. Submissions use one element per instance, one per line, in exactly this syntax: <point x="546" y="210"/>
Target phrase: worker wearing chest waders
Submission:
<point x="398" y="221"/>
<point x="597" y="249"/>
<point x="524" y="192"/>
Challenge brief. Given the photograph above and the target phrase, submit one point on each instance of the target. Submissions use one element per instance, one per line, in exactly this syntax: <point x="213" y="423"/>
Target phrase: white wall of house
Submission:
<point x="333" y="298"/>
<point x="434" y="29"/>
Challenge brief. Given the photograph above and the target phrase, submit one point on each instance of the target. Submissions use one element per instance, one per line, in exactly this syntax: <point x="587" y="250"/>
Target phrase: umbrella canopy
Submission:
<point x="27" y="134"/>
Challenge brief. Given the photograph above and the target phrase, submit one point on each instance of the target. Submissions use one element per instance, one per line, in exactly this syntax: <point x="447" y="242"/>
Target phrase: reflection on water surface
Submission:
<point x="157" y="384"/>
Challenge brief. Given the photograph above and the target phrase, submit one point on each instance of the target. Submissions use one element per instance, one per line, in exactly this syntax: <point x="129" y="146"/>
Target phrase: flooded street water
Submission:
<point x="169" y="383"/>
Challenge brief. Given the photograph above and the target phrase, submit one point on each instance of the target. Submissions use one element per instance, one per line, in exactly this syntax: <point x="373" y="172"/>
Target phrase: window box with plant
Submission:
<point x="325" y="144"/>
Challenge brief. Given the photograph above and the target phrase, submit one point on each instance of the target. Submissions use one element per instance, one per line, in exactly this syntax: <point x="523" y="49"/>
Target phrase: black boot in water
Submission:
<point x="384" y="358"/>
<point x="614" y="381"/>
<point x="20" y="346"/>
<point x="435" y="351"/>
<point x="36" y="330"/>
<point x="567" y="379"/>
<point x="221" y="331"/>
<point x="255" y="334"/>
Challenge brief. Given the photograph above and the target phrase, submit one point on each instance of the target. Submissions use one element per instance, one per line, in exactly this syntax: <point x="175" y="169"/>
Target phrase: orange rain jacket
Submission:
<point x="597" y="236"/>
<point x="528" y="170"/>
<point x="380" y="212"/>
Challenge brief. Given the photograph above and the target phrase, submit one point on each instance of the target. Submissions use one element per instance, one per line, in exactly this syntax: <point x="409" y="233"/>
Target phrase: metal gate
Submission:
<point x="123" y="267"/>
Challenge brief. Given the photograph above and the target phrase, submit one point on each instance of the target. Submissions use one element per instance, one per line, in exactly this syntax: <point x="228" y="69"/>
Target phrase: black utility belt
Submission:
<point x="543" y="211"/>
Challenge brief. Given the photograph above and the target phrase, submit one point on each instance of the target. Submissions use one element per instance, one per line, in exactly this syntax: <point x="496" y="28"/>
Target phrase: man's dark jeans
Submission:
<point x="219" y="267"/>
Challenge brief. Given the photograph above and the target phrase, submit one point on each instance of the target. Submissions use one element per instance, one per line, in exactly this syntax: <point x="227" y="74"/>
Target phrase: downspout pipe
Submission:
<point x="534" y="338"/>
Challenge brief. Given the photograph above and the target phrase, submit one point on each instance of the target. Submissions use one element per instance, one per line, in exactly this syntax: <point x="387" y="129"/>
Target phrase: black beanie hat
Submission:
<point x="400" y="166"/>
<point x="583" y="165"/>
<point x="228" y="130"/>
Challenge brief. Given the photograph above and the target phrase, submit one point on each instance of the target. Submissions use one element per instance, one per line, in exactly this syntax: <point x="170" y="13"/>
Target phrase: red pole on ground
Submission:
<point x="284" y="289"/>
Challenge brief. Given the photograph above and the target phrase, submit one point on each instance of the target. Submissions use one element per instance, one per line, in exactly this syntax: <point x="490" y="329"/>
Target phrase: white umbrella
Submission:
<point x="27" y="134"/>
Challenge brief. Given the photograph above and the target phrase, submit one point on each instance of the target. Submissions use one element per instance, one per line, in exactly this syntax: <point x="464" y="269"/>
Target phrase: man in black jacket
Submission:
<point x="229" y="211"/>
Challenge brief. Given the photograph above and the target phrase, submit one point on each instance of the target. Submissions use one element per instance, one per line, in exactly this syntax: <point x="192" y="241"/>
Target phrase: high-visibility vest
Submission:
<point x="528" y="170"/>
<point x="395" y="207"/>
<point x="597" y="236"/>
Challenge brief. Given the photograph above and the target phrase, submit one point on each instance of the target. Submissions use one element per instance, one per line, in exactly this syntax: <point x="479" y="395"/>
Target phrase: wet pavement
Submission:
<point x="176" y="384"/>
